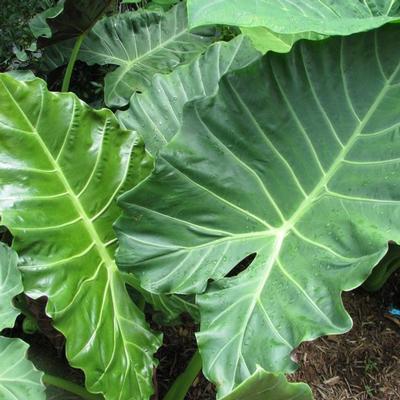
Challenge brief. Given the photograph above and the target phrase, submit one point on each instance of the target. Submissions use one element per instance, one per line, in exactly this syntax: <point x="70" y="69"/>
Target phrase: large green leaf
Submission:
<point x="10" y="286"/>
<point x="296" y="160"/>
<point x="141" y="44"/>
<point x="19" y="379"/>
<point x="338" y="17"/>
<point x="157" y="113"/>
<point x="61" y="166"/>
<point x="264" y="386"/>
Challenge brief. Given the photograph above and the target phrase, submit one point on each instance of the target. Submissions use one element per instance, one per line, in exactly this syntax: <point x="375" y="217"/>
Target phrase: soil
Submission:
<point x="363" y="364"/>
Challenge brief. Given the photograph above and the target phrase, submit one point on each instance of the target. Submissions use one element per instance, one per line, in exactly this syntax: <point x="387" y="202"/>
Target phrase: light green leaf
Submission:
<point x="265" y="40"/>
<point x="296" y="160"/>
<point x="10" y="286"/>
<point x="19" y="379"/>
<point x="157" y="113"/>
<point x="327" y="17"/>
<point x="57" y="195"/>
<point x="264" y="386"/>
<point x="141" y="44"/>
<point x="21" y="75"/>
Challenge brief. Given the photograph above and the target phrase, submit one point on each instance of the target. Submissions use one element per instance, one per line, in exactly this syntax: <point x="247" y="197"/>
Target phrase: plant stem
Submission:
<point x="184" y="381"/>
<point x="71" y="63"/>
<point x="70" y="387"/>
<point x="382" y="272"/>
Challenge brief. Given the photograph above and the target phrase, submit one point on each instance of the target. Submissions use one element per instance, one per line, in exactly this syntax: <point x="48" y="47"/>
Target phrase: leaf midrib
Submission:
<point x="289" y="225"/>
<point x="102" y="250"/>
<point x="308" y="202"/>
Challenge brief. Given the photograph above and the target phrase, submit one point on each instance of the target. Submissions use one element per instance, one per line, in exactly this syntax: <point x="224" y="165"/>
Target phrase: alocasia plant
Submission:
<point x="140" y="44"/>
<point x="157" y="113"/>
<point x="57" y="196"/>
<point x="294" y="160"/>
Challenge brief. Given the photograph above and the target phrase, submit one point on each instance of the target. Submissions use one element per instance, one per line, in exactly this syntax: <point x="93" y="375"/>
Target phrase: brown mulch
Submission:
<point x="363" y="364"/>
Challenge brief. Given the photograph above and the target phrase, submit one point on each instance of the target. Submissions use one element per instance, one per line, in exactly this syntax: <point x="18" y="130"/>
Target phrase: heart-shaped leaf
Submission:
<point x="61" y="166"/>
<point x="295" y="160"/>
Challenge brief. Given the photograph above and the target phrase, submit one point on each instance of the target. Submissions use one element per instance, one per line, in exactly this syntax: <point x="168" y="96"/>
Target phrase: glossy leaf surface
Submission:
<point x="274" y="165"/>
<point x="19" y="379"/>
<point x="339" y="17"/>
<point x="264" y="386"/>
<point x="10" y="286"/>
<point x="157" y="113"/>
<point x="61" y="166"/>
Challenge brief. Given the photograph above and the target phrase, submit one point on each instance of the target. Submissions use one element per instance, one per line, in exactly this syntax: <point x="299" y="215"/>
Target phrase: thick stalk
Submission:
<point x="70" y="387"/>
<point x="184" y="381"/>
<point x="71" y="63"/>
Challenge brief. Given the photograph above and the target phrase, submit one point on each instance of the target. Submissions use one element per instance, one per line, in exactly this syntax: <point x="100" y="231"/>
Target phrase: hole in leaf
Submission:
<point x="5" y="235"/>
<point x="241" y="266"/>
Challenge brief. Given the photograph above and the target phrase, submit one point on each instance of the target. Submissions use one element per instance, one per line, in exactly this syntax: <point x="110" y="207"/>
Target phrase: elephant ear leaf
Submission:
<point x="140" y="44"/>
<point x="339" y="17"/>
<point x="62" y="227"/>
<point x="265" y="386"/>
<point x="275" y="167"/>
<point x="10" y="286"/>
<point x="19" y="379"/>
<point x="157" y="112"/>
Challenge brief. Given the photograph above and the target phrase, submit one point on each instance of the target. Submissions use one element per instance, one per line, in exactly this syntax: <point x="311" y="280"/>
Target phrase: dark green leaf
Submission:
<point x="296" y="160"/>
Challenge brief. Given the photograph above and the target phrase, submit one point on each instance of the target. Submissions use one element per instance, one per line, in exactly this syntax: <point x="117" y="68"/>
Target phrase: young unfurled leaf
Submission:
<point x="296" y="160"/>
<point x="19" y="379"/>
<point x="327" y="17"/>
<point x="157" y="113"/>
<point x="61" y="167"/>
